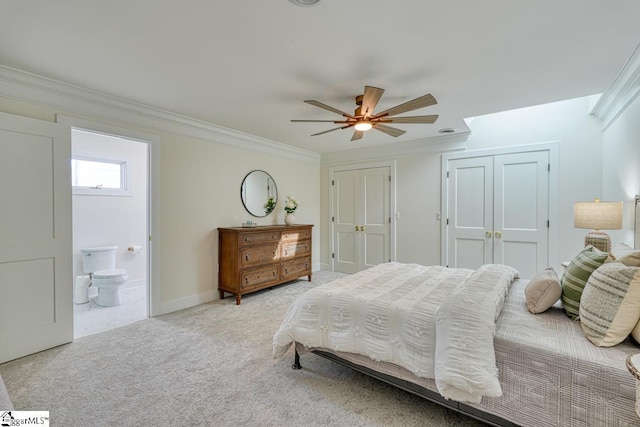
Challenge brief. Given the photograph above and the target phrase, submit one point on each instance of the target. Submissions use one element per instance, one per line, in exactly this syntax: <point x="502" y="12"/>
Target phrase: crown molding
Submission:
<point x="624" y="90"/>
<point x="437" y="144"/>
<point x="71" y="99"/>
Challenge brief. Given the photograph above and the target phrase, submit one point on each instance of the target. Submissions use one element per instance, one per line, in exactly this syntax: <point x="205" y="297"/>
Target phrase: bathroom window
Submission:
<point x="101" y="177"/>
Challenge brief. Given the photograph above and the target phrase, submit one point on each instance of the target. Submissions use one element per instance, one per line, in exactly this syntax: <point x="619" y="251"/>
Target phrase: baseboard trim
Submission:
<point x="186" y="302"/>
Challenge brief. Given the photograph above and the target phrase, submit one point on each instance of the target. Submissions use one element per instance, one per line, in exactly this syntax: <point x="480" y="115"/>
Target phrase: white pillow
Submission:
<point x="543" y="291"/>
<point x="626" y="255"/>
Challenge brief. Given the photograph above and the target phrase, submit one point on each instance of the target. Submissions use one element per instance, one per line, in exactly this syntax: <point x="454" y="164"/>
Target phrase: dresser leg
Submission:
<point x="221" y="293"/>
<point x="238" y="297"/>
<point x="309" y="277"/>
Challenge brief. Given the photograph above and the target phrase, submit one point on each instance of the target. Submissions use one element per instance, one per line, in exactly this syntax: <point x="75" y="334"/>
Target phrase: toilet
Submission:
<point x="100" y="264"/>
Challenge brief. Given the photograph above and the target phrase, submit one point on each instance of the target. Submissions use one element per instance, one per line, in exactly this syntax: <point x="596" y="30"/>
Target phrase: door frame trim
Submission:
<point x="153" y="221"/>
<point x="551" y="147"/>
<point x="392" y="202"/>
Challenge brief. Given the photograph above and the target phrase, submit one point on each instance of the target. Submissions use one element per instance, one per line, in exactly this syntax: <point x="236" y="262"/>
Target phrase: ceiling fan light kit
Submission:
<point x="364" y="117"/>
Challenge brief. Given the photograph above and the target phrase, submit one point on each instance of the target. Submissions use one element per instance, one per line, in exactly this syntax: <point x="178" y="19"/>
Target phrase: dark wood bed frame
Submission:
<point x="413" y="388"/>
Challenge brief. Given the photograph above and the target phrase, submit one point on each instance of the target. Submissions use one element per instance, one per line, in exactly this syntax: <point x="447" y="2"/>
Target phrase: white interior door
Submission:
<point x="35" y="236"/>
<point x="470" y="212"/>
<point x="346" y="194"/>
<point x="498" y="211"/>
<point x="375" y="222"/>
<point x="521" y="200"/>
<point x="361" y="219"/>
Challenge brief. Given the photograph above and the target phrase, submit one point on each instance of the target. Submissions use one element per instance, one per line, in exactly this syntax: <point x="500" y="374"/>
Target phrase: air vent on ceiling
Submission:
<point x="306" y="3"/>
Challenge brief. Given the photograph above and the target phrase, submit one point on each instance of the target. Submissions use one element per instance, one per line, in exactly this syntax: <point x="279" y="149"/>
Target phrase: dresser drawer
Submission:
<point x="256" y="255"/>
<point x="294" y="249"/>
<point x="296" y="268"/>
<point x="293" y="236"/>
<point x="259" y="277"/>
<point x="245" y="239"/>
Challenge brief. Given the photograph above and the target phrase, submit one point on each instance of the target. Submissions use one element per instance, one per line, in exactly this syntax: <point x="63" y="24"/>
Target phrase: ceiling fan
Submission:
<point x="364" y="118"/>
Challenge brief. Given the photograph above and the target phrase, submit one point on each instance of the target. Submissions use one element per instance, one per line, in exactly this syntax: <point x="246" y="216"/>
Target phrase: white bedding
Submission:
<point x="434" y="321"/>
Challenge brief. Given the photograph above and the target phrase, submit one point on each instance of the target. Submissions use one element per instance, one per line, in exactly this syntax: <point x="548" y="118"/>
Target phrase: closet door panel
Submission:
<point x="346" y="191"/>
<point x="374" y="188"/>
<point x="521" y="211"/>
<point x="470" y="212"/>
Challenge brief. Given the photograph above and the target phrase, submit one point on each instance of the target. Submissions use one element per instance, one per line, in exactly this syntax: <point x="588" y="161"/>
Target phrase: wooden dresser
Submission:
<point x="250" y="259"/>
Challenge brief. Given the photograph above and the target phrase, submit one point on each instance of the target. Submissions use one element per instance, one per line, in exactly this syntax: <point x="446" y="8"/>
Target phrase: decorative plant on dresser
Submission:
<point x="251" y="259"/>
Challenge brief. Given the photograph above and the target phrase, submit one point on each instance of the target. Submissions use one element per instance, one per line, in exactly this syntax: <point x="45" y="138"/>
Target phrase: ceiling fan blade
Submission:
<point x="328" y="107"/>
<point x="410" y="119"/>
<point x="423" y="101"/>
<point x="319" y="121"/>
<point x="331" y="130"/>
<point x="357" y="135"/>
<point x="395" y="132"/>
<point x="370" y="99"/>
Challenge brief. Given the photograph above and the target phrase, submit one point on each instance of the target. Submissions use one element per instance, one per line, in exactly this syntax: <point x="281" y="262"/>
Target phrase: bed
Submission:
<point x="537" y="370"/>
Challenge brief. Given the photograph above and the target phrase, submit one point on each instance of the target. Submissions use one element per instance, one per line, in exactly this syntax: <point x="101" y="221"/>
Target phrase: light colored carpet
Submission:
<point x="209" y="365"/>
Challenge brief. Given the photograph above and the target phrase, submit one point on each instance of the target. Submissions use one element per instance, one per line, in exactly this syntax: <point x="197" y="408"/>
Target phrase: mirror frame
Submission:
<point x="243" y="195"/>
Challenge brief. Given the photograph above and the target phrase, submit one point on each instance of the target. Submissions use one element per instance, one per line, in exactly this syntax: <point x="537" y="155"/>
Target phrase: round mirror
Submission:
<point x="259" y="193"/>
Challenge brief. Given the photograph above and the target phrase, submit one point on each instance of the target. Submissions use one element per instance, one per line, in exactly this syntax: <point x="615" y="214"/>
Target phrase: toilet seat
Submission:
<point x="115" y="273"/>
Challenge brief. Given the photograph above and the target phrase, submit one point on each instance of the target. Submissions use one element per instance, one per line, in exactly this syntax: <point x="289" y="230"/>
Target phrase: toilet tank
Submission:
<point x="98" y="258"/>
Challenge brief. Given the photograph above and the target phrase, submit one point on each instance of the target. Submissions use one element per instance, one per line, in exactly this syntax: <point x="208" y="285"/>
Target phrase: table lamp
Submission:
<point x="598" y="216"/>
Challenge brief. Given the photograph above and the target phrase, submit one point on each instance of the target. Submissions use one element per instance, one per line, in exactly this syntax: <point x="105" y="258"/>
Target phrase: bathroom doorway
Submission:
<point x="110" y="203"/>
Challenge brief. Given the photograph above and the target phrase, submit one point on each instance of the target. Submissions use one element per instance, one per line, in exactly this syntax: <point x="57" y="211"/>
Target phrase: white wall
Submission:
<point x="112" y="220"/>
<point x="621" y="167"/>
<point x="418" y="176"/>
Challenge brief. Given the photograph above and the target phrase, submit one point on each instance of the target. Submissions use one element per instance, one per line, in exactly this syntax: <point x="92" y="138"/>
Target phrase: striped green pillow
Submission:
<point x="575" y="278"/>
<point x="610" y="304"/>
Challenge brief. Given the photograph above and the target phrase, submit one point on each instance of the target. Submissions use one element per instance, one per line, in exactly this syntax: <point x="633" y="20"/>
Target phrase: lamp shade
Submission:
<point x="598" y="215"/>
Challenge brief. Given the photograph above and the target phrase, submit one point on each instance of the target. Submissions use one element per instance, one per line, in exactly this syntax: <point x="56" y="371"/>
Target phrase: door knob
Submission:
<point x="498" y="234"/>
<point x="487" y="234"/>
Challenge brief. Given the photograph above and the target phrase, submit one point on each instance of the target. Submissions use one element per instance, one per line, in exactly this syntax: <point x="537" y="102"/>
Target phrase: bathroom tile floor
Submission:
<point x="90" y="318"/>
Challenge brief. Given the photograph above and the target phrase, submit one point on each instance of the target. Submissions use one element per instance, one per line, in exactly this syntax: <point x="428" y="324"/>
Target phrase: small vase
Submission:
<point x="289" y="219"/>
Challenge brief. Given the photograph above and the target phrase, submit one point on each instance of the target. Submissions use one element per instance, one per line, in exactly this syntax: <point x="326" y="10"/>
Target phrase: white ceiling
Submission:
<point x="248" y="65"/>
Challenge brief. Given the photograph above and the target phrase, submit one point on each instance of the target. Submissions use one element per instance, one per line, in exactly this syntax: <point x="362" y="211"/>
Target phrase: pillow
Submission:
<point x="610" y="304"/>
<point x="626" y="255"/>
<point x="543" y="291"/>
<point x="635" y="332"/>
<point x="575" y="278"/>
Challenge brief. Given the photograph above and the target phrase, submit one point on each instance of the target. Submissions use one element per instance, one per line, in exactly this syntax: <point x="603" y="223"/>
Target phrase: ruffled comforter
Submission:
<point x="434" y="321"/>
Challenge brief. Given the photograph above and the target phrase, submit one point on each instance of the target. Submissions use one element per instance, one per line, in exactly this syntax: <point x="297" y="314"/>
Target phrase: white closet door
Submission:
<point x="498" y="210"/>
<point x="361" y="228"/>
<point x="346" y="196"/>
<point x="470" y="195"/>
<point x="35" y="236"/>
<point x="521" y="211"/>
<point x="374" y="227"/>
